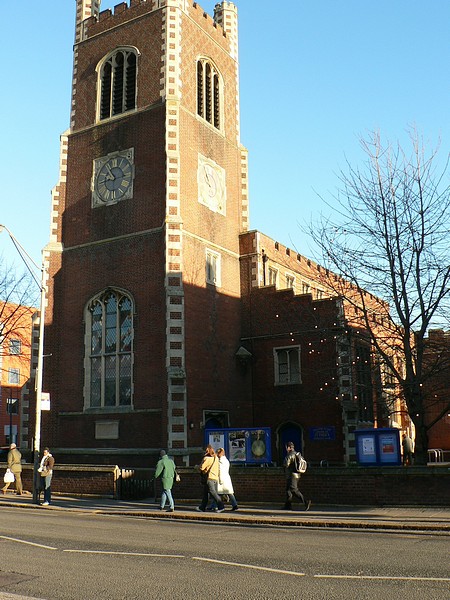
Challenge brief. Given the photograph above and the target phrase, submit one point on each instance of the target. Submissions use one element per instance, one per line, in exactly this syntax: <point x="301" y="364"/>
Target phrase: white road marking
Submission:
<point x="383" y="577"/>
<point x="125" y="553"/>
<point x="233" y="564"/>
<point x="4" y="537"/>
<point x="245" y="566"/>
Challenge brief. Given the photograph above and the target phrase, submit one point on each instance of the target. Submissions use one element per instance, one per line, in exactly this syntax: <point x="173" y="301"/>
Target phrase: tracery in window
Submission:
<point x="109" y="350"/>
<point x="117" y="79"/>
<point x="209" y="92"/>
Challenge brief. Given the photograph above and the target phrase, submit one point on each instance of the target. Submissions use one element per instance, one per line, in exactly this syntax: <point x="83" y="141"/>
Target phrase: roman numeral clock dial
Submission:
<point x="113" y="178"/>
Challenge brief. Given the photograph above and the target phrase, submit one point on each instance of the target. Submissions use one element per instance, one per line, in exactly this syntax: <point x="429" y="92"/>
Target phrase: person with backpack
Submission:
<point x="293" y="467"/>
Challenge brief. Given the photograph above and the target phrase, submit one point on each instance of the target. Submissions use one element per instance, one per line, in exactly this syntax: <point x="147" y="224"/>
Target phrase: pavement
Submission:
<point x="399" y="518"/>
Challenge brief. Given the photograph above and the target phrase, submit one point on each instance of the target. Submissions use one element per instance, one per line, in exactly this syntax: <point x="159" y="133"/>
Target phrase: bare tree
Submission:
<point x="389" y="235"/>
<point x="18" y="298"/>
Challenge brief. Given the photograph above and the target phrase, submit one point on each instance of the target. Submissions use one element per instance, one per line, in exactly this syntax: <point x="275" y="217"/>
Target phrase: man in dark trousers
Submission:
<point x="292" y="477"/>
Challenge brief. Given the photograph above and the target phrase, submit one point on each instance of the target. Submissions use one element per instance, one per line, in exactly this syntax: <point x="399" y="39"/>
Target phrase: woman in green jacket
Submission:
<point x="166" y="469"/>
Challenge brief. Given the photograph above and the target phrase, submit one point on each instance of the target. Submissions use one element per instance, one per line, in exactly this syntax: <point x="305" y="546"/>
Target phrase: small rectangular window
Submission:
<point x="287" y="365"/>
<point x="306" y="288"/>
<point x="15" y="347"/>
<point x="273" y="276"/>
<point x="14" y="376"/>
<point x="213" y="274"/>
<point x="290" y="281"/>
<point x="12" y="406"/>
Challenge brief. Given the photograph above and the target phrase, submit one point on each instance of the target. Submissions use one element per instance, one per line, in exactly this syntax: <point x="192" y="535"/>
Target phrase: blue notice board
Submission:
<point x="244" y="445"/>
<point x="322" y="434"/>
<point x="378" y="446"/>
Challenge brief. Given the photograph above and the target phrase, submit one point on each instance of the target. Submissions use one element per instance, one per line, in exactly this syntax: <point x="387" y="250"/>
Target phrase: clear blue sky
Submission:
<point x="316" y="75"/>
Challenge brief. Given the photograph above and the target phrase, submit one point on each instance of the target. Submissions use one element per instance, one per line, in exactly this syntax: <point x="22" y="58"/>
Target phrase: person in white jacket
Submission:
<point x="225" y="487"/>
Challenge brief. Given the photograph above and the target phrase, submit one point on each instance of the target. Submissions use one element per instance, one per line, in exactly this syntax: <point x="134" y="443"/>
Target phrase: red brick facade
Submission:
<point x="157" y="246"/>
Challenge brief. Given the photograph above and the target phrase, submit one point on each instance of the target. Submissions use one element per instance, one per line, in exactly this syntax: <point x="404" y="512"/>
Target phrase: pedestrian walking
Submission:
<point x="166" y="469"/>
<point x="292" y="478"/>
<point x="408" y="448"/>
<point x="46" y="472"/>
<point x="14" y="461"/>
<point x="225" y="485"/>
<point x="209" y="472"/>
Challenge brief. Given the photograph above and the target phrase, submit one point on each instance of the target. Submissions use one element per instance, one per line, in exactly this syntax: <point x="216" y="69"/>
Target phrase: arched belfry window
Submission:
<point x="209" y="92"/>
<point x="117" y="83"/>
<point x="109" y="350"/>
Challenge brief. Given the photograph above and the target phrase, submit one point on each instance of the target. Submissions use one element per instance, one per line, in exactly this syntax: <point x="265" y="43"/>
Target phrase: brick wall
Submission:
<point x="77" y="480"/>
<point x="393" y="486"/>
<point x="349" y="486"/>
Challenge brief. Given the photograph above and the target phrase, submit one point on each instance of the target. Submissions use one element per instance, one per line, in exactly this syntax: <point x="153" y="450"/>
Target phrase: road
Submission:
<point x="70" y="556"/>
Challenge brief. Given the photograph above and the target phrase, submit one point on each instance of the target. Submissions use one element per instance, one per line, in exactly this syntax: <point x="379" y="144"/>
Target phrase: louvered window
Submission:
<point x="209" y="93"/>
<point x="110" y="335"/>
<point x="118" y="84"/>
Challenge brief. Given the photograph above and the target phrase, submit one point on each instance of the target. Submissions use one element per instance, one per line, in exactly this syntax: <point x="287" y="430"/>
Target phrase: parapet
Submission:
<point x="92" y="21"/>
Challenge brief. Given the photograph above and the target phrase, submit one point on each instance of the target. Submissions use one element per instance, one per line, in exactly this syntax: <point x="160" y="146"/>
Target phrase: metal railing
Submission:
<point x="437" y="455"/>
<point x="136" y="484"/>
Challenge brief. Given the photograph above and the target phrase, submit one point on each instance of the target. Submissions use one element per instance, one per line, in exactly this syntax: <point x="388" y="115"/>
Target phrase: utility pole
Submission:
<point x="42" y="283"/>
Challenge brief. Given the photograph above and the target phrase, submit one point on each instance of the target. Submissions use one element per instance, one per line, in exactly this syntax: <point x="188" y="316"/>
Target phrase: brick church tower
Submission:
<point x="144" y="314"/>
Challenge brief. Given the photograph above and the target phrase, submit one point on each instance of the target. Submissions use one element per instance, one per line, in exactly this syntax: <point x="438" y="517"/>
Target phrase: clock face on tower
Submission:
<point x="113" y="177"/>
<point x="211" y="185"/>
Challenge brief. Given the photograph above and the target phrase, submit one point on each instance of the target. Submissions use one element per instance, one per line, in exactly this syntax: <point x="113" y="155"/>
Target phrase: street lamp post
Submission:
<point x="40" y="361"/>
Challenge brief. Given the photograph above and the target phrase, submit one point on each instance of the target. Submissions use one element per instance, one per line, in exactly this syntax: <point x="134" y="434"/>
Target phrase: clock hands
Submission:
<point x="111" y="174"/>
<point x="210" y="181"/>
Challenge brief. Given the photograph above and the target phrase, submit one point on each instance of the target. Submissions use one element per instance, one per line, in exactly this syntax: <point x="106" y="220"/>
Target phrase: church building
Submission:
<point x="166" y="314"/>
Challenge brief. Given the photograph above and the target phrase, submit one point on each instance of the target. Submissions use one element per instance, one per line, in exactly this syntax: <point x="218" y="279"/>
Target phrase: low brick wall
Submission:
<point x="81" y="480"/>
<point x="392" y="486"/>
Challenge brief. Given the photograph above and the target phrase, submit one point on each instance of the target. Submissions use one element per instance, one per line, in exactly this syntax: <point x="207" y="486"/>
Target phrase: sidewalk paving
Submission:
<point x="404" y="518"/>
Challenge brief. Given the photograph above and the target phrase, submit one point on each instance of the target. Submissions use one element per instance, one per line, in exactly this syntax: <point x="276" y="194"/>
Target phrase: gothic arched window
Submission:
<point x="117" y="83"/>
<point x="109" y="350"/>
<point x="209" y="92"/>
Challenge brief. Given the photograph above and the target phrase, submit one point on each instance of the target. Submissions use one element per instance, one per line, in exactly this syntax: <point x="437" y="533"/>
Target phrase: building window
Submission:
<point x="290" y="281"/>
<point x="15" y="347"/>
<point x="273" y="276"/>
<point x="306" y="288"/>
<point x="287" y="365"/>
<point x="363" y="380"/>
<point x="109" y="341"/>
<point x="320" y="294"/>
<point x="213" y="268"/>
<point x="215" y="419"/>
<point x="117" y="83"/>
<point x="209" y="92"/>
<point x="14" y="376"/>
<point x="12" y="406"/>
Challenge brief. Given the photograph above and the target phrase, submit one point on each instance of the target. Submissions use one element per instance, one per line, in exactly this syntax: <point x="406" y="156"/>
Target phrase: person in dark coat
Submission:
<point x="292" y="479"/>
<point x="407" y="446"/>
<point x="46" y="471"/>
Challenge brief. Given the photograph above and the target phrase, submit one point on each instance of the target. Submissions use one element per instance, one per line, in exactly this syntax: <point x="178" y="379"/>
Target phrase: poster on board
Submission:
<point x="245" y="446"/>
